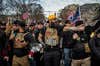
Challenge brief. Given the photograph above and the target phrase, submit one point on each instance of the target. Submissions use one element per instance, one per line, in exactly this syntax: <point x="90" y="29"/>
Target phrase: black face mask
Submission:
<point x="17" y="30"/>
<point x="52" y="25"/>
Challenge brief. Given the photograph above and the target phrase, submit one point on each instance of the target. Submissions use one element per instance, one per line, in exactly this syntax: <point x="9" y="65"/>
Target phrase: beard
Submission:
<point x="17" y="30"/>
<point x="52" y="25"/>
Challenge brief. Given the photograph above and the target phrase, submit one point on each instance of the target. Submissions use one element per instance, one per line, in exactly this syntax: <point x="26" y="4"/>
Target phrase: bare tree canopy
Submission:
<point x="18" y="7"/>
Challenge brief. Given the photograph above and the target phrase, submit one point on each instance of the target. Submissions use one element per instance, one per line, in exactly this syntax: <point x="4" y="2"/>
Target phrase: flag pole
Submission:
<point x="80" y="13"/>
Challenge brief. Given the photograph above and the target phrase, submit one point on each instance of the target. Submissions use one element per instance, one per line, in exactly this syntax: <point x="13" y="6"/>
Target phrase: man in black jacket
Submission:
<point x="68" y="42"/>
<point x="80" y="54"/>
<point x="95" y="46"/>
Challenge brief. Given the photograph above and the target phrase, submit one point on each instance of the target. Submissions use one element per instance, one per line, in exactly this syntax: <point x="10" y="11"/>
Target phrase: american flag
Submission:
<point x="77" y="15"/>
<point x="70" y="15"/>
<point x="74" y="16"/>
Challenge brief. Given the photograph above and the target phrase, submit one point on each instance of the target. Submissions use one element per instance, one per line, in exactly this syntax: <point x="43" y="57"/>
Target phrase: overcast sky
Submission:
<point x="55" y="5"/>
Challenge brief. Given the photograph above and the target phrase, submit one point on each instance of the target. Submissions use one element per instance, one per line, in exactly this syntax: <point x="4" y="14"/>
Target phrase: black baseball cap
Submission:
<point x="20" y="23"/>
<point x="79" y="22"/>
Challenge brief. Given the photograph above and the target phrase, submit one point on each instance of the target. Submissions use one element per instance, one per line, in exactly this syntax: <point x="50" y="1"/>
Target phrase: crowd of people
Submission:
<point x="53" y="43"/>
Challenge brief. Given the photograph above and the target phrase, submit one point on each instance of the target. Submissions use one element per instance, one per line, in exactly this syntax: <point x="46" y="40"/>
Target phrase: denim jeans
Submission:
<point x="67" y="59"/>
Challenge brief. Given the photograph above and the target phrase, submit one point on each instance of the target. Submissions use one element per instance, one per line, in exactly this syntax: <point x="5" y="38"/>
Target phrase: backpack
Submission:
<point x="51" y="37"/>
